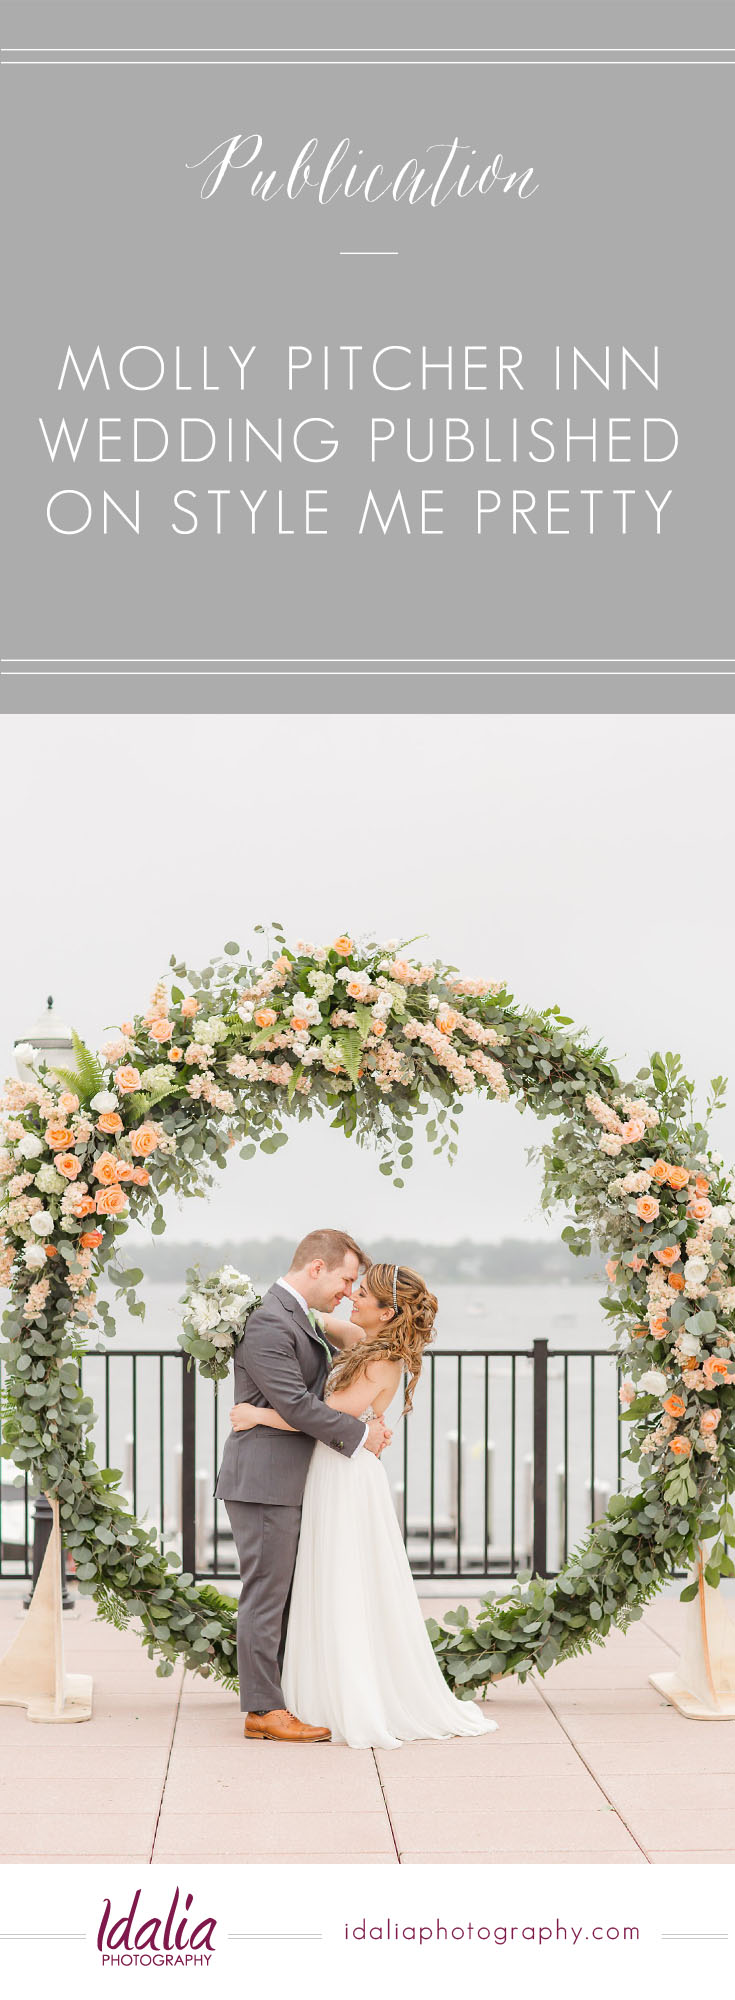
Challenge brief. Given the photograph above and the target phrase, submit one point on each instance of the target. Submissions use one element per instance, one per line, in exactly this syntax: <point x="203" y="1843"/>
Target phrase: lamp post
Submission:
<point x="50" y="1038"/>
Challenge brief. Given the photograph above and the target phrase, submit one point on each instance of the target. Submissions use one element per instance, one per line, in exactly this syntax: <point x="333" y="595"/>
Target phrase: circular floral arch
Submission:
<point x="382" y="1045"/>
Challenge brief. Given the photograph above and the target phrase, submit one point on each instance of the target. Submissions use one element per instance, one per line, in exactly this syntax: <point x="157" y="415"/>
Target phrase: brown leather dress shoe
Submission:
<point x="280" y="1726"/>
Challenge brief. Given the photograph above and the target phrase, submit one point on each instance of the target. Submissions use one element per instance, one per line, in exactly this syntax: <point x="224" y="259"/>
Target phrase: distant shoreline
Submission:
<point x="514" y="1261"/>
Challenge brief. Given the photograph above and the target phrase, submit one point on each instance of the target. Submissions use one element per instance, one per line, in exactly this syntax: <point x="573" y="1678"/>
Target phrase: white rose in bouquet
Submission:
<point x="696" y="1271"/>
<point x="42" y="1223"/>
<point x="653" y="1383"/>
<point x="34" y="1256"/>
<point x="105" y="1100"/>
<point x="29" y="1147"/>
<point x="215" y="1311"/>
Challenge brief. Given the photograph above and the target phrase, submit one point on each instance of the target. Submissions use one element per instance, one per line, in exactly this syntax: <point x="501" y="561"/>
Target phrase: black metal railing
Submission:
<point x="508" y="1455"/>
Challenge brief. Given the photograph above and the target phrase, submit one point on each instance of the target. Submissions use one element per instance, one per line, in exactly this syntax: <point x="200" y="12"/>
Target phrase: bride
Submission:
<point x="358" y="1656"/>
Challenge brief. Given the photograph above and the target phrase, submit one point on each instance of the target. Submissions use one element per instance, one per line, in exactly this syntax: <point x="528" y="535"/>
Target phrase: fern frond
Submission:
<point x="87" y="1078"/>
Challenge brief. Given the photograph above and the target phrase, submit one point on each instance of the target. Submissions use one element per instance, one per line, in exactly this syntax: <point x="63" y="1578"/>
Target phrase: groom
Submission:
<point x="282" y="1363"/>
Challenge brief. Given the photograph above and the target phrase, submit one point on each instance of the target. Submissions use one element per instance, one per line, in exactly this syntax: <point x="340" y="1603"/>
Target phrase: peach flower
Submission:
<point x="126" y="1027"/>
<point x="342" y="945"/>
<point x="68" y="1103"/>
<point x="176" y="1055"/>
<point x="265" y="1017"/>
<point x="699" y="1208"/>
<point x="141" y="1176"/>
<point x="647" y="1207"/>
<point x="678" y="1177"/>
<point x="111" y="1201"/>
<point x="716" y="1370"/>
<point x="109" y="1122"/>
<point x="127" y="1078"/>
<point x="59" y="1137"/>
<point x="660" y="1171"/>
<point x="633" y="1131"/>
<point x="105" y="1169"/>
<point x="299" y="1024"/>
<point x="675" y="1406"/>
<point x="68" y="1165"/>
<point x="161" y="1031"/>
<point x="676" y="1281"/>
<point x="124" y="1170"/>
<point x="681" y="1447"/>
<point x="669" y="1255"/>
<point x="709" y="1421"/>
<point x="91" y="1238"/>
<point x="448" y="1022"/>
<point x="639" y="1332"/>
<point x="611" y="1267"/>
<point x="83" y="1205"/>
<point x="143" y="1141"/>
<point x="701" y="1185"/>
<point x="189" y="1007"/>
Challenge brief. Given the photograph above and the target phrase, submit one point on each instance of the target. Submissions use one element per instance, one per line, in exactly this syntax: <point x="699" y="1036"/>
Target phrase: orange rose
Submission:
<point x="189" y="1007"/>
<point x="611" y="1267"/>
<point x="709" y="1421"/>
<point x="676" y="1281"/>
<point x="127" y="1078"/>
<point x="670" y="1255"/>
<point x="678" y="1177"/>
<point x="647" y="1207"/>
<point x="658" y="1328"/>
<point x="176" y="1055"/>
<point x="58" y="1137"/>
<point x="265" y="1017"/>
<point x="701" y="1185"/>
<point x="639" y="1332"/>
<point x="68" y="1103"/>
<point x="51" y="1251"/>
<point x="448" y="1022"/>
<point x="124" y="1170"/>
<point x="378" y="1028"/>
<point x="298" y="1024"/>
<point x="343" y="945"/>
<point x="681" y="1447"/>
<point x="716" y="1370"/>
<point x="68" y="1165"/>
<point x="143" y="1140"/>
<point x="111" y="1201"/>
<point x="90" y="1238"/>
<point x="109" y="1122"/>
<point x="660" y="1171"/>
<point x="675" y="1406"/>
<point x="83" y="1206"/>
<point x="142" y="1177"/>
<point x="699" y="1208"/>
<point x="161" y="1031"/>
<point x="105" y="1169"/>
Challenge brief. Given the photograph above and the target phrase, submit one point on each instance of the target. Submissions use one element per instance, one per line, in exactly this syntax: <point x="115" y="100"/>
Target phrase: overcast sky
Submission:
<point x="588" y="860"/>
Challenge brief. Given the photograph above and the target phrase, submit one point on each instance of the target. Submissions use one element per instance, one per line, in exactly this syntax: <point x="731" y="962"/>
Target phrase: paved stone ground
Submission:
<point x="588" y="1765"/>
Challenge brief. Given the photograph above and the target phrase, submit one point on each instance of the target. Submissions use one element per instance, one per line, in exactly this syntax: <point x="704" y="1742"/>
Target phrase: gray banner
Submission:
<point x="452" y="447"/>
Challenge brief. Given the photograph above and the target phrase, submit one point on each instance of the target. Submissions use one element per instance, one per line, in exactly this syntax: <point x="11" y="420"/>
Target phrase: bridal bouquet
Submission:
<point x="216" y="1308"/>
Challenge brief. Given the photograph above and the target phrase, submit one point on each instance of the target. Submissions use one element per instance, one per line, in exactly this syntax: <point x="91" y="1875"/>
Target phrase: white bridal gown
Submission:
<point x="358" y="1657"/>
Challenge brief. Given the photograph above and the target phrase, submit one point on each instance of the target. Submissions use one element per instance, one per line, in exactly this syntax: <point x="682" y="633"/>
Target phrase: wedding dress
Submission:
<point x="358" y="1656"/>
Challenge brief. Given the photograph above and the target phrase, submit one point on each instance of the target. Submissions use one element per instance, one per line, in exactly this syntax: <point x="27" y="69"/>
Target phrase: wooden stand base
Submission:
<point x="690" y="1705"/>
<point x="32" y="1674"/>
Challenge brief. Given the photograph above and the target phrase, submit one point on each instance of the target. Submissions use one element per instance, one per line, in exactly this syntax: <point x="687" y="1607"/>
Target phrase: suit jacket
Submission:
<point x="281" y="1364"/>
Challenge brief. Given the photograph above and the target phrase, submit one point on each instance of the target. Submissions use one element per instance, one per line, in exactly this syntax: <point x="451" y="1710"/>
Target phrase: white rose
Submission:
<point x="25" y="1053"/>
<point x="104" y="1101"/>
<point x="29" y="1146"/>
<point x="42" y="1224"/>
<point x="306" y="1008"/>
<point x="696" y="1270"/>
<point x="246" y="1010"/>
<point x="34" y="1256"/>
<point x="689" y="1344"/>
<point x="653" y="1383"/>
<point x="230" y="1277"/>
<point x="720" y="1218"/>
<point x="221" y="1337"/>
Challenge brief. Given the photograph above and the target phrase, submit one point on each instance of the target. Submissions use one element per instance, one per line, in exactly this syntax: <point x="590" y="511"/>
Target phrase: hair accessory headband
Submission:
<point x="395" y="1288"/>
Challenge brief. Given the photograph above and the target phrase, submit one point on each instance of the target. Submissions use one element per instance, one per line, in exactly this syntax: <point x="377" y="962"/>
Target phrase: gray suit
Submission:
<point x="280" y="1364"/>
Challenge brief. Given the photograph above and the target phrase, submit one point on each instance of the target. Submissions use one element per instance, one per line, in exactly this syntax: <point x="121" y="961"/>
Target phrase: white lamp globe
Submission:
<point x="50" y="1038"/>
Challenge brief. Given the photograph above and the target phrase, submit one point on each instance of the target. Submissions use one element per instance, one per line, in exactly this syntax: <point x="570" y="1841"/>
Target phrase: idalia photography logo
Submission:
<point x="135" y="1939"/>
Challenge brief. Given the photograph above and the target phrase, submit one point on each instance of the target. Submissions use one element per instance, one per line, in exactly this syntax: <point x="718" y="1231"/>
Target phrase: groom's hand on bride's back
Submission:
<point x="377" y="1436"/>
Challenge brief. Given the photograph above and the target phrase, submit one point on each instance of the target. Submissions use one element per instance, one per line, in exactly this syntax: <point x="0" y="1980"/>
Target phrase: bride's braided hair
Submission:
<point x="404" y="1337"/>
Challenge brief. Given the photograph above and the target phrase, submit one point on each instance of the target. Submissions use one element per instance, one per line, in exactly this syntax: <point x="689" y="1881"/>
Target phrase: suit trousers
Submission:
<point x="266" y="1539"/>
